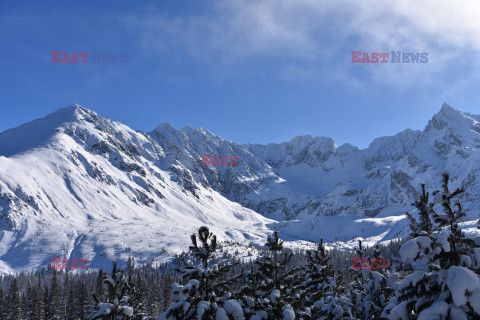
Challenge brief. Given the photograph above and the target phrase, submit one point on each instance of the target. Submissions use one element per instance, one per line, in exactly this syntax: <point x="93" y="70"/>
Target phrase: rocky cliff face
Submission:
<point x="312" y="176"/>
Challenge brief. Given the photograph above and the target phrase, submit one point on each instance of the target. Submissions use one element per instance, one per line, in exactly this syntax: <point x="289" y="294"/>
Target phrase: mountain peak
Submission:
<point x="448" y="116"/>
<point x="166" y="126"/>
<point x="448" y="109"/>
<point x="37" y="132"/>
<point x="72" y="112"/>
<point x="74" y="107"/>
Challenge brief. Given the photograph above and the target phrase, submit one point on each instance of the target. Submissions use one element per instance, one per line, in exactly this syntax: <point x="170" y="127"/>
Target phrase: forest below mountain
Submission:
<point x="433" y="274"/>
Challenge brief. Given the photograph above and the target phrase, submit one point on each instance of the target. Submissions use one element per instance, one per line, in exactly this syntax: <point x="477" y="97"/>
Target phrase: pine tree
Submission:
<point x="167" y="282"/>
<point x="2" y="303"/>
<point x="4" y="306"/>
<point x="82" y="297"/>
<point x="356" y="287"/>
<point x="99" y="290"/>
<point x="203" y="295"/>
<point x="55" y="300"/>
<point x="204" y="253"/>
<point x="38" y="301"/>
<point x="443" y="282"/>
<point x="24" y="311"/>
<point x="318" y="281"/>
<point x="460" y="245"/>
<point x="154" y="296"/>
<point x="70" y="307"/>
<point x="139" y="292"/>
<point x="118" y="291"/>
<point x="274" y="286"/>
<point x="249" y="296"/>
<point x="378" y="289"/>
<point x="14" y="301"/>
<point x="425" y="211"/>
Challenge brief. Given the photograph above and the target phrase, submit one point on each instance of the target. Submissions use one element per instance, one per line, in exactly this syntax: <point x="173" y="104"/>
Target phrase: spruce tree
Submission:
<point x="167" y="282"/>
<point x="425" y="212"/>
<point x="99" y="290"/>
<point x="70" y="307"/>
<point x="39" y="303"/>
<point x="203" y="294"/>
<point x="24" y="310"/>
<point x="2" y="303"/>
<point x="55" y="301"/>
<point x="443" y="283"/>
<point x="117" y="303"/>
<point x="378" y="289"/>
<point x="82" y="297"/>
<point x="276" y="293"/>
<point x="14" y="301"/>
<point x="318" y="284"/>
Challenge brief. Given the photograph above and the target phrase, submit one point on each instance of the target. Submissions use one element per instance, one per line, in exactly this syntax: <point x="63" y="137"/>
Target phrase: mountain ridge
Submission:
<point x="73" y="180"/>
<point x="92" y="187"/>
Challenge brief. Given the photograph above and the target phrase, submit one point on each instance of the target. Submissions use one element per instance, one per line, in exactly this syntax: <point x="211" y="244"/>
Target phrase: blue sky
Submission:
<point x="250" y="71"/>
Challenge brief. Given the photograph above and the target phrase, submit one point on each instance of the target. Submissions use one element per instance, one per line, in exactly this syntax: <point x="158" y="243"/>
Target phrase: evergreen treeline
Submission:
<point x="433" y="274"/>
<point x="56" y="294"/>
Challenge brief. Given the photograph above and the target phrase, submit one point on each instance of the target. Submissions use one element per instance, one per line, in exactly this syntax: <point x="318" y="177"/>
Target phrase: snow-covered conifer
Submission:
<point x="425" y="211"/>
<point x="203" y="296"/>
<point x="443" y="284"/>
<point x="378" y="288"/>
<point x="318" y="282"/>
<point x="117" y="305"/>
<point x="278" y="287"/>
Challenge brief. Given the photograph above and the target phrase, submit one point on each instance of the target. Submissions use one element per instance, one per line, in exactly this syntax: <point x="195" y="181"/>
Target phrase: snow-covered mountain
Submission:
<point x="75" y="184"/>
<point x="311" y="176"/>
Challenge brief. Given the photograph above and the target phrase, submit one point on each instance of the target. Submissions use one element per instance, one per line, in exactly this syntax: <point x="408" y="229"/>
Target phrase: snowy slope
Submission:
<point x="76" y="185"/>
<point x="252" y="183"/>
<point x="308" y="178"/>
<point x="383" y="178"/>
<point x="312" y="176"/>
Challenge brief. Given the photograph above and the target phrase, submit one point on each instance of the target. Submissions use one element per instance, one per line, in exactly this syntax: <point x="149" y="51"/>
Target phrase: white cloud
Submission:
<point x="315" y="37"/>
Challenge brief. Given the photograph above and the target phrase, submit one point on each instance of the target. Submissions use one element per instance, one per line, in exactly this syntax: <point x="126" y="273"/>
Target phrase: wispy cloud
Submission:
<point x="313" y="39"/>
